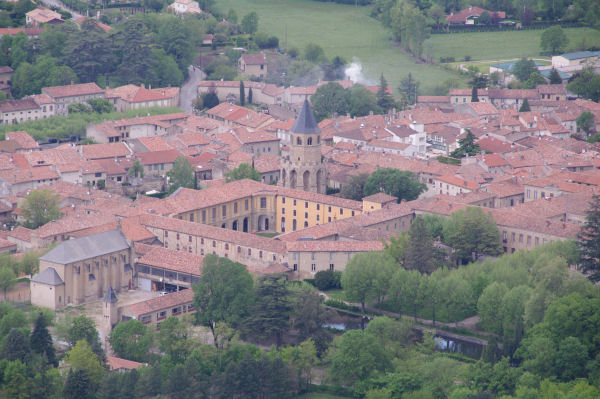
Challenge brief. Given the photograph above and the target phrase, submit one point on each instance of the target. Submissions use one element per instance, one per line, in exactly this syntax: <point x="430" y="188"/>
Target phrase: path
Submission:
<point x="59" y="4"/>
<point x="189" y="89"/>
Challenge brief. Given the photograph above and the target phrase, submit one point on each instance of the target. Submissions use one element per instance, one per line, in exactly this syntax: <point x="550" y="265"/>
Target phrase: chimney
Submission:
<point x="72" y="83"/>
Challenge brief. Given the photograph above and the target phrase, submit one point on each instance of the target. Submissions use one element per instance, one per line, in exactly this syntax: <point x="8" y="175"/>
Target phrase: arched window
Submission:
<point x="298" y="141"/>
<point x="309" y="141"/>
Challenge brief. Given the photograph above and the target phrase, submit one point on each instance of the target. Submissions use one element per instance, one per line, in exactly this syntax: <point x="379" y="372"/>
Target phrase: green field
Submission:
<point x="503" y="45"/>
<point x="341" y="30"/>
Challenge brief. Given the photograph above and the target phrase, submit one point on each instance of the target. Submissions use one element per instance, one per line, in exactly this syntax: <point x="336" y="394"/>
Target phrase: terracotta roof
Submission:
<point x="27" y="31"/>
<point x="158" y="157"/>
<point x="21" y="233"/>
<point x="462" y="15"/>
<point x="320" y="198"/>
<point x="72" y="90"/>
<point x="458" y="181"/>
<point x="162" y="302"/>
<point x="433" y="99"/>
<point x="43" y="15"/>
<point x="381" y="198"/>
<point x="254" y="59"/>
<point x="24" y="139"/>
<point x="137" y="94"/>
<point x="108" y="150"/>
<point x="240" y="115"/>
<point x="179" y="261"/>
<point x="334" y="246"/>
<point x="134" y="231"/>
<point x="18" y="105"/>
<point x="72" y="224"/>
<point x="17" y="176"/>
<point x="116" y="363"/>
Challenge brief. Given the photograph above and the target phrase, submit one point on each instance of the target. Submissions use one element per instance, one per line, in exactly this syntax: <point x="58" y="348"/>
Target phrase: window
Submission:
<point x="246" y="204"/>
<point x="239" y="249"/>
<point x="294" y="212"/>
<point x="318" y="217"/>
<point x="283" y="211"/>
<point x="295" y="266"/>
<point x="226" y="246"/>
<point x="331" y="266"/>
<point x="312" y="256"/>
<point x="263" y="202"/>
<point x="294" y="225"/>
<point x="305" y="225"/>
<point x="189" y="238"/>
<point x="341" y="211"/>
<point x="283" y="200"/>
<point x="214" y="244"/>
<point x="512" y="237"/>
<point x="283" y="225"/>
<point x="306" y="204"/>
<point x="328" y="209"/>
<point x="329" y="219"/>
<point x="177" y="236"/>
<point x="318" y="206"/>
<point x="305" y="215"/>
<point x="313" y="267"/>
<point x="235" y="207"/>
<point x="191" y="217"/>
<point x="203" y="216"/>
<point x="166" y="233"/>
<point x="294" y="202"/>
<point x="224" y="210"/>
<point x="295" y="255"/>
<point x="249" y="252"/>
<point x="537" y="241"/>
<point x="260" y="254"/>
<point x="214" y="213"/>
<point x="520" y="238"/>
<point x="202" y="241"/>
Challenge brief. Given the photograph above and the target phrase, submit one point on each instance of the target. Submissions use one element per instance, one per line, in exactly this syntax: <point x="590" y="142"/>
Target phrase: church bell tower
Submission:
<point x="302" y="166"/>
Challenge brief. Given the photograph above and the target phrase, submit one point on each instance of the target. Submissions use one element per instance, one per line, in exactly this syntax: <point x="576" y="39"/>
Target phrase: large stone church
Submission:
<point x="302" y="166"/>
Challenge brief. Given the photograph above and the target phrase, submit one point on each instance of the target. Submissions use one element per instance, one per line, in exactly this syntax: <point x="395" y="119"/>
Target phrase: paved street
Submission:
<point x="59" y="4"/>
<point x="189" y="89"/>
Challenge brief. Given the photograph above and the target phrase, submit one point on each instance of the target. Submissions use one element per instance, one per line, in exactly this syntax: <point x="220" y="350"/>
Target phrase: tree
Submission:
<point x="589" y="241"/>
<point x="16" y="382"/>
<point x="79" y="108"/>
<point x="308" y="318"/>
<point x="224" y="292"/>
<point x="354" y="188"/>
<point x="586" y="84"/>
<point x="82" y="358"/>
<point x="488" y="305"/>
<point x="472" y="232"/>
<point x="182" y="175"/>
<point x="586" y="122"/>
<point x="313" y="53"/>
<point x="209" y="99"/>
<point x="555" y="77"/>
<point x="40" y="207"/>
<point x="7" y="279"/>
<point x="303" y="358"/>
<point x="250" y="99"/>
<point x="242" y="94"/>
<point x="131" y="340"/>
<point x="173" y="338"/>
<point x="271" y="310"/>
<point x="385" y="101"/>
<point x="366" y="276"/>
<point x="83" y="328"/>
<point x="136" y="169"/>
<point x="401" y="184"/>
<point x="523" y="69"/>
<point x="232" y="16"/>
<point x="78" y="385"/>
<point x="362" y="102"/>
<point x="474" y="98"/>
<point x="174" y="37"/>
<point x="243" y="171"/>
<point x="525" y="106"/>
<point x="485" y="18"/>
<point x="101" y="105"/>
<point x="89" y="52"/>
<point x="135" y="48"/>
<point x="328" y="279"/>
<point x="535" y="79"/>
<point x="356" y="356"/>
<point x="16" y="346"/>
<point x="41" y="340"/>
<point x="467" y="146"/>
<point x="330" y="99"/>
<point x="409" y="88"/>
<point x="250" y="23"/>
<point x="419" y="251"/>
<point x="554" y="39"/>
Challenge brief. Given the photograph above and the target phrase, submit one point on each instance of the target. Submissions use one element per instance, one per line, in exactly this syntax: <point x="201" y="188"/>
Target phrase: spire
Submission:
<point x="306" y="122"/>
<point x="110" y="295"/>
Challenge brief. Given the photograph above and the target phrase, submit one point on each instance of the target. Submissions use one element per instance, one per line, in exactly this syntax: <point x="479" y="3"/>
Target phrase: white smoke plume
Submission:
<point x="354" y="72"/>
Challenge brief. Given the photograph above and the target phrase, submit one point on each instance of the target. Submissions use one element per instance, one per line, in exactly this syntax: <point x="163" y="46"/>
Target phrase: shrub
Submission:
<point x="328" y="279"/>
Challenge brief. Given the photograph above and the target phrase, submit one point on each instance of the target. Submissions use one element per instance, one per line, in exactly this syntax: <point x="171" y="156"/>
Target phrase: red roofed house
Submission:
<point x="468" y="16"/>
<point x="253" y="64"/>
<point x="42" y="15"/>
<point x="136" y="97"/>
<point x="154" y="311"/>
<point x="453" y="185"/>
<point x="73" y="93"/>
<point x="158" y="163"/>
<point x="16" y="111"/>
<point x="21" y="142"/>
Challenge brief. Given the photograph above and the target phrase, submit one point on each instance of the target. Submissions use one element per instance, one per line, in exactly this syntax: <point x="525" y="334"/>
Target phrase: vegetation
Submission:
<point x="398" y="183"/>
<point x="40" y="207"/>
<point x="466" y="146"/>
<point x="332" y="99"/>
<point x="586" y="84"/>
<point x="554" y="40"/>
<point x="182" y="175"/>
<point x="243" y="171"/>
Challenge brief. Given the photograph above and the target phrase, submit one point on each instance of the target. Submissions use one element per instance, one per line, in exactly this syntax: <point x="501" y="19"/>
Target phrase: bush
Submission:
<point x="328" y="279"/>
<point x="447" y="59"/>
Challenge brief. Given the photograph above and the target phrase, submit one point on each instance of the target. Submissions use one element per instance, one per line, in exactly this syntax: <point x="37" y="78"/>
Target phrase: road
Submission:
<point x="189" y="89"/>
<point x="59" y="4"/>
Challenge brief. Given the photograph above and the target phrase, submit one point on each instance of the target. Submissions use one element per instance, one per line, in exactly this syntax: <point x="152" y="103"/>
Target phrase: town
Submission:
<point x="190" y="207"/>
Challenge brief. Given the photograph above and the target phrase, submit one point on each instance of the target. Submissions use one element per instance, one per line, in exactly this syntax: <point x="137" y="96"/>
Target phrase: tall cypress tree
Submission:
<point x="250" y="95"/>
<point x="555" y="77"/>
<point x="41" y="341"/>
<point x="474" y="98"/>
<point x="242" y="94"/>
<point x="385" y="101"/>
<point x="525" y="106"/>
<point x="589" y="241"/>
<point x="419" y="252"/>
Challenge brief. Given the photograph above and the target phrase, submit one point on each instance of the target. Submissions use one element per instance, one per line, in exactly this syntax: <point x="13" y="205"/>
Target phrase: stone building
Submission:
<point x="82" y="270"/>
<point x="302" y="165"/>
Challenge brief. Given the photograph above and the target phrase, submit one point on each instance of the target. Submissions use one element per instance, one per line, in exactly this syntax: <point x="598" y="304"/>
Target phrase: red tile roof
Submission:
<point x="158" y="157"/>
<point x="24" y="139"/>
<point x="162" y="302"/>
<point x="116" y="363"/>
<point x="108" y="150"/>
<point x="254" y="59"/>
<point x="72" y="90"/>
<point x="179" y="261"/>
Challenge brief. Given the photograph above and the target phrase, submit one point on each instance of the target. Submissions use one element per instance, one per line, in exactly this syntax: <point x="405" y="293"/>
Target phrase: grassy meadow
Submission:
<point x="342" y="30"/>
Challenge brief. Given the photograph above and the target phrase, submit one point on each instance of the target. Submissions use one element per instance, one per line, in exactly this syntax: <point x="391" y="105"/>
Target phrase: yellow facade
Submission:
<point x="297" y="214"/>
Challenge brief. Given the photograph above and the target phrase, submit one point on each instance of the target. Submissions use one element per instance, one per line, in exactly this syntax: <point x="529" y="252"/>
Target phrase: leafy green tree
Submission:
<point x="40" y="207"/>
<point x="242" y="94"/>
<point x="100" y="105"/>
<point x="392" y="335"/>
<point x="330" y="99"/>
<point x="467" y="146"/>
<point x="136" y="169"/>
<point x="586" y="122"/>
<point x="555" y="77"/>
<point x="224" y="292"/>
<point x="41" y="340"/>
<point x="209" y="100"/>
<point x="328" y="279"/>
<point x="365" y="275"/>
<point x="513" y="317"/>
<point x="16" y="346"/>
<point x="362" y="102"/>
<point x="79" y="385"/>
<point x="243" y="171"/>
<point x="232" y="16"/>
<point x="356" y="356"/>
<point x="586" y="84"/>
<point x="523" y="69"/>
<point x="182" y="175"/>
<point x="385" y="101"/>
<point x="7" y="279"/>
<point x="396" y="247"/>
<point x="89" y="52"/>
<point x="250" y="23"/>
<point x="589" y="241"/>
<point x="472" y="232"/>
<point x="535" y="79"/>
<point x="488" y="306"/>
<point x="554" y="39"/>
<point x="82" y="358"/>
<point x="165" y="70"/>
<point x="136" y="61"/>
<point x="79" y="108"/>
<point x="270" y="314"/>
<point x="173" y="338"/>
<point x="30" y="263"/>
<point x="16" y="383"/>
<point x="419" y="251"/>
<point x="308" y="317"/>
<point x="355" y="187"/>
<point x="313" y="53"/>
<point x="571" y="358"/>
<point x="398" y="183"/>
<point x="302" y="358"/>
<point x="131" y="340"/>
<point x="83" y="328"/>
<point x="174" y="37"/>
<point x="525" y="106"/>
